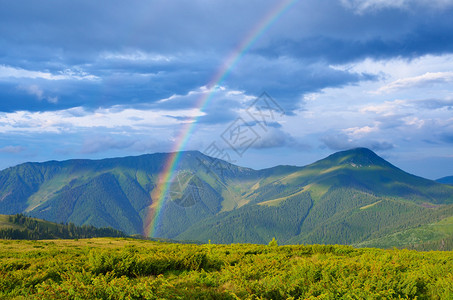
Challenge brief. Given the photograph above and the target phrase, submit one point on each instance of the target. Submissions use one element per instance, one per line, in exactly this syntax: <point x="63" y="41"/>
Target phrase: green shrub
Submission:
<point x="129" y="269"/>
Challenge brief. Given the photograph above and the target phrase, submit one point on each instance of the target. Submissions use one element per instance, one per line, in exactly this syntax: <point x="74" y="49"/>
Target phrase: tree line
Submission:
<point x="33" y="229"/>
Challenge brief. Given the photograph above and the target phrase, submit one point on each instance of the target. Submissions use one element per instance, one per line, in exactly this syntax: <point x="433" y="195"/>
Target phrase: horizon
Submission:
<point x="298" y="79"/>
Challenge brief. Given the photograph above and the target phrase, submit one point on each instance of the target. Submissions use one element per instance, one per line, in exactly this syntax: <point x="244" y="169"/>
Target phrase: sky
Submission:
<point x="303" y="79"/>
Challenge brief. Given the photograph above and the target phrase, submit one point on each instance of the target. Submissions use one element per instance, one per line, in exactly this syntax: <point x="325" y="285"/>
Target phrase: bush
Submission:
<point x="273" y="243"/>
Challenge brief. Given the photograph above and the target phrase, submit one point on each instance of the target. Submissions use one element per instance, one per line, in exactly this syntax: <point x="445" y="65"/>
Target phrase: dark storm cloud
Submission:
<point x="141" y="52"/>
<point x="339" y="50"/>
<point x="76" y="33"/>
<point x="336" y="35"/>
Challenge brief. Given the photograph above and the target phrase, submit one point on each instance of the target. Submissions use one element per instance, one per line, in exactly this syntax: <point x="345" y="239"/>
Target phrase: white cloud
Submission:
<point x="78" y="118"/>
<point x="36" y="91"/>
<point x="362" y="6"/>
<point x="414" y="121"/>
<point x="75" y="74"/>
<point x="387" y="108"/>
<point x="399" y="83"/>
<point x="52" y="99"/>
<point x="67" y="74"/>
<point x="412" y="111"/>
<point x="359" y="132"/>
<point x="396" y="68"/>
<point x="136" y="56"/>
<point x="428" y="78"/>
<point x="410" y="106"/>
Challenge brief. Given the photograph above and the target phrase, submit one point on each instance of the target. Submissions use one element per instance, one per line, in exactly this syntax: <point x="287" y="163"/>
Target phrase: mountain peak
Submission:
<point x="357" y="157"/>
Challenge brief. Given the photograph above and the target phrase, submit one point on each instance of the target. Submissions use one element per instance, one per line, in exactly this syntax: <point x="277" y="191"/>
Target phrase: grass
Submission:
<point x="120" y="268"/>
<point x="276" y="202"/>
<point x="370" y="205"/>
<point x="316" y="190"/>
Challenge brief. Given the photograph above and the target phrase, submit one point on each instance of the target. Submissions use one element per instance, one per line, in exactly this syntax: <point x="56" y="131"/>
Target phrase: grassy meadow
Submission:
<point x="122" y="268"/>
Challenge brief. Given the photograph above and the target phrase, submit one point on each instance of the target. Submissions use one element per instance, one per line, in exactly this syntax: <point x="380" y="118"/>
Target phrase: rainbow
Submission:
<point x="167" y="173"/>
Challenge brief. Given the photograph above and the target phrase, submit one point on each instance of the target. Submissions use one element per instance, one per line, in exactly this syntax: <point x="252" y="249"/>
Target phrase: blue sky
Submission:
<point x="95" y="79"/>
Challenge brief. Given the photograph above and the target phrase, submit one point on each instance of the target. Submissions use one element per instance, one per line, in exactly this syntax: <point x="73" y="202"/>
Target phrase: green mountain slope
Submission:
<point x="117" y="192"/>
<point x="355" y="195"/>
<point x="421" y="237"/>
<point x="347" y="198"/>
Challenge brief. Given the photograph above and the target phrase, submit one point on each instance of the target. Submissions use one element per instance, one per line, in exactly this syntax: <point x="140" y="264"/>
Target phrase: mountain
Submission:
<point x="116" y="192"/>
<point x="349" y="197"/>
<point x="446" y="180"/>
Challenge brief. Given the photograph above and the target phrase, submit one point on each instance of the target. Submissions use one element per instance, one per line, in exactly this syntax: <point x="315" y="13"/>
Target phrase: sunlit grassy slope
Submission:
<point x="6" y="223"/>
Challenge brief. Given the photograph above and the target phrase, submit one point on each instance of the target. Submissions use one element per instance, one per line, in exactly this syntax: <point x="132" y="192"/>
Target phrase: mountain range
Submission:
<point x="350" y="197"/>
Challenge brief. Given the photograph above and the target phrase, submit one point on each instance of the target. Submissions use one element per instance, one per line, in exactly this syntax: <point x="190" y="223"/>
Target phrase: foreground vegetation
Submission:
<point x="118" y="268"/>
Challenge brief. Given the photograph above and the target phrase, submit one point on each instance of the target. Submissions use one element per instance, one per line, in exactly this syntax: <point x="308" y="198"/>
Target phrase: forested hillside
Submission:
<point x="347" y="198"/>
<point x="20" y="227"/>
